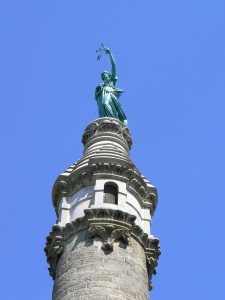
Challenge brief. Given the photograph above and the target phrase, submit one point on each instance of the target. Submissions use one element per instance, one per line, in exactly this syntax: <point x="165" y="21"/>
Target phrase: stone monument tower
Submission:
<point x="101" y="246"/>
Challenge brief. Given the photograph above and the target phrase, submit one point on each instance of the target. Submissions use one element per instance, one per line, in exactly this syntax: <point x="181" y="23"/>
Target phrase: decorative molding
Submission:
<point x="151" y="267"/>
<point x="108" y="234"/>
<point x="152" y="250"/>
<point x="148" y="243"/>
<point x="109" y="215"/>
<point x="107" y="125"/>
<point x="136" y="184"/>
<point x="152" y="254"/>
<point x="55" y="251"/>
<point x="55" y="241"/>
<point x="109" y="225"/>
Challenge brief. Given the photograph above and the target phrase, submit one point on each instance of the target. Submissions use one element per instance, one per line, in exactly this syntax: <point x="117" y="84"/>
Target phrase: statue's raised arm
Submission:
<point x="113" y="63"/>
<point x="107" y="94"/>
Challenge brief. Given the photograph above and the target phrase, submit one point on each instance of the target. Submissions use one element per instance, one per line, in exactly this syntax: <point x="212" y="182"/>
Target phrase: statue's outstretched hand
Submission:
<point x="107" y="51"/>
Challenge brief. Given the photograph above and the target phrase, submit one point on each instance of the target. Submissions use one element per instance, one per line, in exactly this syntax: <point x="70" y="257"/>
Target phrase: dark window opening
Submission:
<point x="110" y="193"/>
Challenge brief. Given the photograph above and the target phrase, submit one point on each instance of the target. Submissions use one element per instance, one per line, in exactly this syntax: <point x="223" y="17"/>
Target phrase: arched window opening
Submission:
<point x="111" y="193"/>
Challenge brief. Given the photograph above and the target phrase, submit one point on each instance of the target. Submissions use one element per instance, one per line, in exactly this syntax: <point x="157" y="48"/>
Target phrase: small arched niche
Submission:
<point x="110" y="193"/>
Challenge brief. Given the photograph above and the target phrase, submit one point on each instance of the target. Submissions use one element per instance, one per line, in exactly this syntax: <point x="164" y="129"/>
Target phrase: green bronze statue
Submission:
<point x="107" y="94"/>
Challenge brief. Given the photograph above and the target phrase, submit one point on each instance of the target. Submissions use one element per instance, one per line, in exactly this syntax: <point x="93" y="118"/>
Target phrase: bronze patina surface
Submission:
<point x="107" y="94"/>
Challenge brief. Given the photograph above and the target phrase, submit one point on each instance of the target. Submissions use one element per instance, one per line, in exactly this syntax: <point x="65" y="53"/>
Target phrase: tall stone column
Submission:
<point x="101" y="246"/>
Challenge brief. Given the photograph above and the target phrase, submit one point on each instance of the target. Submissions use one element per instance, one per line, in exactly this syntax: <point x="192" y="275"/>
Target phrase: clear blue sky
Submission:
<point x="171" y="62"/>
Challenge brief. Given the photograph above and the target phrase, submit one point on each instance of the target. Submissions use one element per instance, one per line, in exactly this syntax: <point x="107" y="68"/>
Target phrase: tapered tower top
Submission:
<point x="106" y="158"/>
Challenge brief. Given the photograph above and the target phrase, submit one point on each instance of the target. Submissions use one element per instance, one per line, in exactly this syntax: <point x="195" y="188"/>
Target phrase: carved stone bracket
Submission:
<point x="57" y="248"/>
<point x="151" y="265"/>
<point x="55" y="241"/>
<point x="152" y="250"/>
<point x="109" y="234"/>
<point x="109" y="225"/>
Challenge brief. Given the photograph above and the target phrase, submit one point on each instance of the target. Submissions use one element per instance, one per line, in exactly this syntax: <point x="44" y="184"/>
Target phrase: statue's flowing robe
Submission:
<point x="107" y="95"/>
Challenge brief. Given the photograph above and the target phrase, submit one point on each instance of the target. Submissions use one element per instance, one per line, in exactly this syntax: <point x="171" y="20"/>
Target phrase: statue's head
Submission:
<point x="105" y="75"/>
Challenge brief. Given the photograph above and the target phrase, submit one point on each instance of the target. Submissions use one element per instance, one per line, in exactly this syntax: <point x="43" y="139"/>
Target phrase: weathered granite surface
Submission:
<point x="85" y="271"/>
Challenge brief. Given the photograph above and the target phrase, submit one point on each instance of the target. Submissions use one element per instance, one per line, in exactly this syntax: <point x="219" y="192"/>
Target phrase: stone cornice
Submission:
<point x="136" y="184"/>
<point x="107" y="224"/>
<point x="111" y="127"/>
